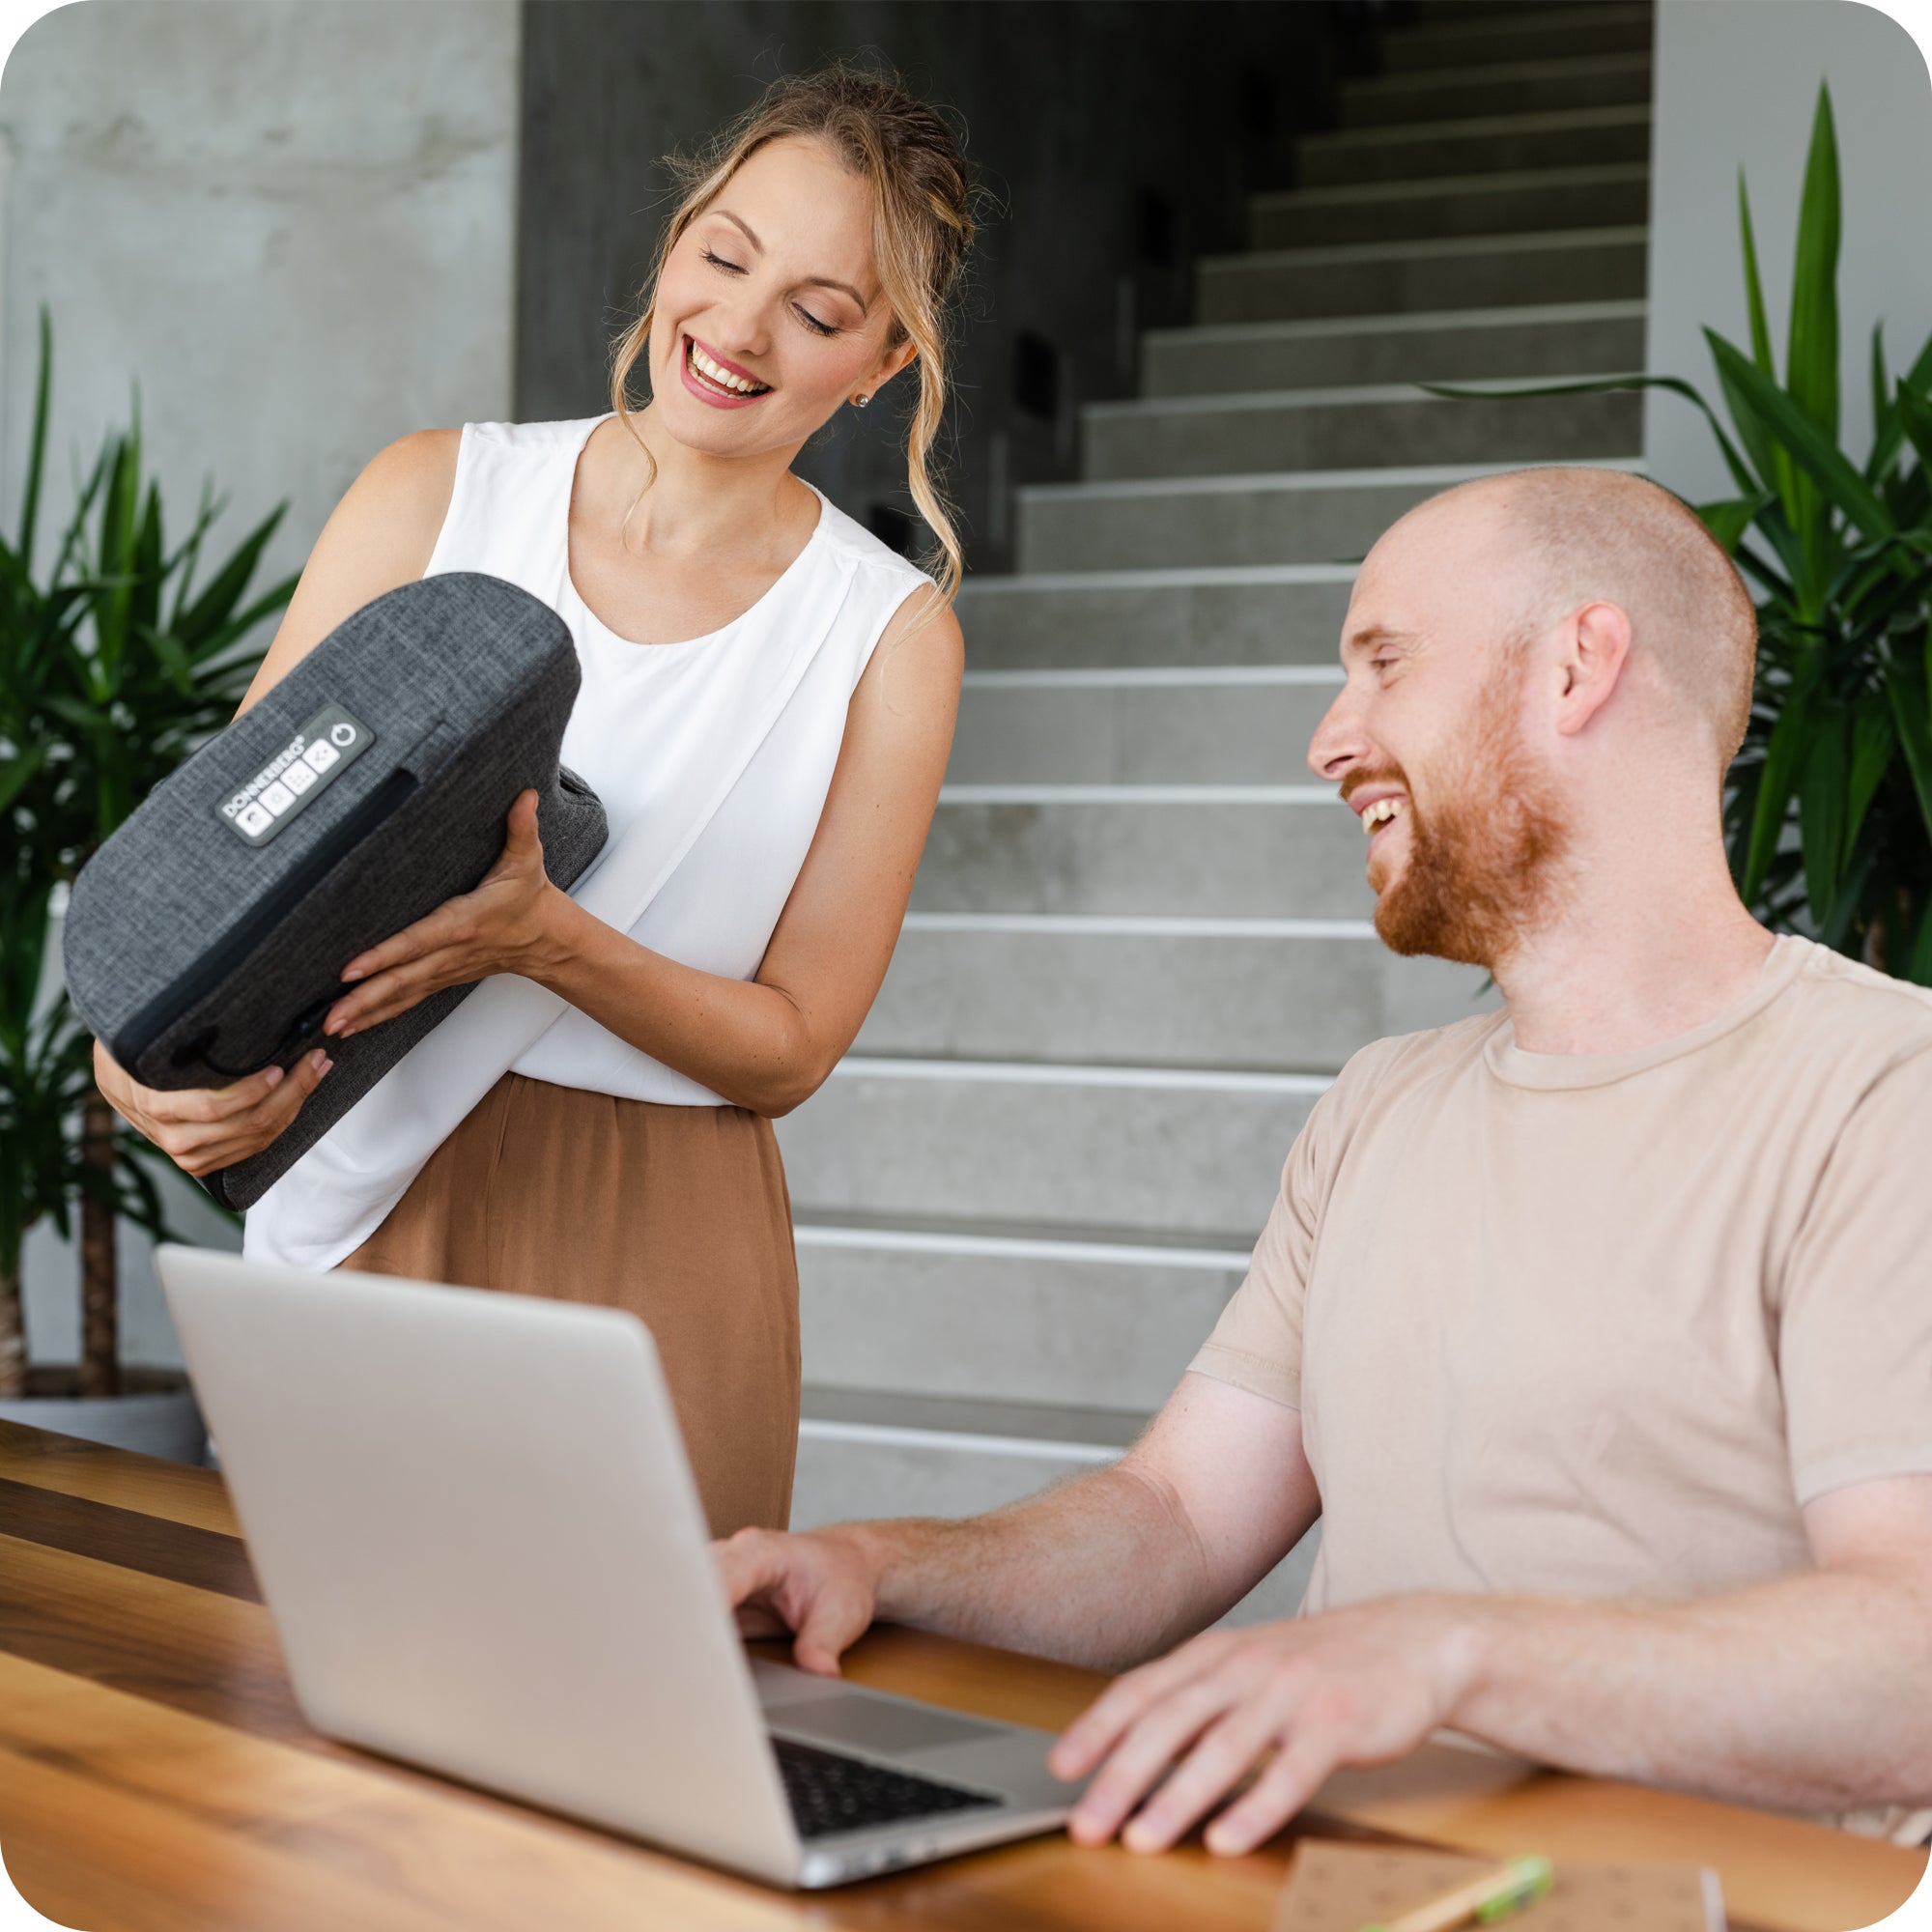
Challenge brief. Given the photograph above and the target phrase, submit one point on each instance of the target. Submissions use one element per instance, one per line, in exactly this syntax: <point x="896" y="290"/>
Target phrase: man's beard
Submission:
<point x="1482" y="870"/>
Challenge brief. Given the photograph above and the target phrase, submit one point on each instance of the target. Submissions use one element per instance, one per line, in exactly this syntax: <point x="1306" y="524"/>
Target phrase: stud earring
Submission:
<point x="859" y="402"/>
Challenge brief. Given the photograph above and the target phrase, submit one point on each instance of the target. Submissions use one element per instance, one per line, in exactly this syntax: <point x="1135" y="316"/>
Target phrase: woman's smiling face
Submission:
<point x="769" y="313"/>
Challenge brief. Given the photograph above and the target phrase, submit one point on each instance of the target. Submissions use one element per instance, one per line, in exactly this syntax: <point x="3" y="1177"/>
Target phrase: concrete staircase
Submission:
<point x="1139" y="945"/>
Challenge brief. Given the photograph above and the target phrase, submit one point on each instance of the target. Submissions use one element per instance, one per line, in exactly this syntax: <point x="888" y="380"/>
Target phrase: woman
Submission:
<point x="767" y="689"/>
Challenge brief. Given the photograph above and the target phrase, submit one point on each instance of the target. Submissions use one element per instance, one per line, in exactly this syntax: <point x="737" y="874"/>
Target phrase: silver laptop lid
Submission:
<point x="476" y="1530"/>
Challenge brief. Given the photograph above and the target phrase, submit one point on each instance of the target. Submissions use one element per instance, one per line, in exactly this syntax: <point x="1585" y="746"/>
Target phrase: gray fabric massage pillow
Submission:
<point x="207" y="937"/>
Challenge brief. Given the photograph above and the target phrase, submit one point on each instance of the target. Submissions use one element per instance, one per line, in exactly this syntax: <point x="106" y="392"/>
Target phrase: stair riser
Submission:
<point x="1264" y="289"/>
<point x="1022" y="625"/>
<point x="1199" y="1161"/>
<point x="1419" y="49"/>
<point x="1361" y="435"/>
<point x="1281" y="221"/>
<point x="1216" y="860"/>
<point x="1074" y="530"/>
<point x="1072" y="734"/>
<point x="1083" y="1334"/>
<point x="1183" y="364"/>
<point x="1157" y="1000"/>
<point x="1619" y="80"/>
<point x="1333" y="162"/>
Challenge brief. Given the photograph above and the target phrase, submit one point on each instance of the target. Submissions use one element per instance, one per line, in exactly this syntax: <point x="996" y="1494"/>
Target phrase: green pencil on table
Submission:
<point x="1496" y="1894"/>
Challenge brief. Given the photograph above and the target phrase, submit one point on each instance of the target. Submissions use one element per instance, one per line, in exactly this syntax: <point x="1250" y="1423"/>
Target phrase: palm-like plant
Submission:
<point x="111" y="673"/>
<point x="1828" y="809"/>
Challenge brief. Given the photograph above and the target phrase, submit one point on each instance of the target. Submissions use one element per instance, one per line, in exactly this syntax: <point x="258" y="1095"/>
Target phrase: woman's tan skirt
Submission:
<point x="677" y="1213"/>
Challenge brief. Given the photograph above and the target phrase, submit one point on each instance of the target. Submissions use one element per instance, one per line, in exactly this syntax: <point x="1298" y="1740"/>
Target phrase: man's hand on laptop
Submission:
<point x="1295" y="1700"/>
<point x="822" y="1584"/>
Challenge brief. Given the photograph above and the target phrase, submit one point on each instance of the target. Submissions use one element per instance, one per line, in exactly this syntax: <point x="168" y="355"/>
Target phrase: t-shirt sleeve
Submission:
<point x="1257" y="1343"/>
<point x="1855" y="1335"/>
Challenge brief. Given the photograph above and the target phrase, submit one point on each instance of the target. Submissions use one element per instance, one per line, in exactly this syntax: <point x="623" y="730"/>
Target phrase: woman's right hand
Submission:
<point x="204" y="1128"/>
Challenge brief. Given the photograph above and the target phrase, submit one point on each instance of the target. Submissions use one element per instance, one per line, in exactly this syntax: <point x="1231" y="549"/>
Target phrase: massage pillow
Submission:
<point x="206" y="939"/>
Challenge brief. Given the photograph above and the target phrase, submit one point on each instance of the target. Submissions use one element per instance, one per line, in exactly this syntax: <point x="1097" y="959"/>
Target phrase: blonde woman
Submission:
<point x="768" y="695"/>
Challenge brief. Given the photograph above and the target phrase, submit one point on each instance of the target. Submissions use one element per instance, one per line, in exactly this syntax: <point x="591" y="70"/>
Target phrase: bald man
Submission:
<point x="1598" y="1331"/>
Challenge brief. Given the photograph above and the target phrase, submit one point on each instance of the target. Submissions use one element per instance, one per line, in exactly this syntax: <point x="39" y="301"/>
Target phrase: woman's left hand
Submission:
<point x="505" y="925"/>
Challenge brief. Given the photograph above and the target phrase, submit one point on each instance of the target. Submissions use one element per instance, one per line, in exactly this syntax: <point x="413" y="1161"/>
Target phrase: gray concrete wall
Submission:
<point x="1737" y="81"/>
<point x="293" y="224"/>
<point x="1085" y="119"/>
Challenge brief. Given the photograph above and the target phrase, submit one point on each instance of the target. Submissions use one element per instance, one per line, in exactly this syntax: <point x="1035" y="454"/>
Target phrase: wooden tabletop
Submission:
<point x="157" y="1776"/>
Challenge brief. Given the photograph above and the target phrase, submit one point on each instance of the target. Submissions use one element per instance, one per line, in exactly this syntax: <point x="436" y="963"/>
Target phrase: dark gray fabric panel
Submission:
<point x="199" y="958"/>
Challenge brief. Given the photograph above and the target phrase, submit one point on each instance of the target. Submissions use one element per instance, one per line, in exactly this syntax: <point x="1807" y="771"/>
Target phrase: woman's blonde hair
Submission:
<point x="922" y="228"/>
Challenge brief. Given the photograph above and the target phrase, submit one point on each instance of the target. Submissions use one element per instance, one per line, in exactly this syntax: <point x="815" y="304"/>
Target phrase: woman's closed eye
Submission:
<point x="805" y="315"/>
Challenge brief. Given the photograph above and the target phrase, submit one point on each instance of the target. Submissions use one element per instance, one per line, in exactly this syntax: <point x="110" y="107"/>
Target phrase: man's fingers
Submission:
<point x="836" y="1618"/>
<point x="1281" y="1791"/>
<point x="1147" y="1750"/>
<point x="1099" y="1727"/>
<point x="750" y="1562"/>
<point x="1224" y="1756"/>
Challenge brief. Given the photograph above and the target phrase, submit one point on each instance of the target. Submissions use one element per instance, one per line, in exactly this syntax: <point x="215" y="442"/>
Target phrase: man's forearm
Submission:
<point x="1102" y="1571"/>
<point x="1811" y="1693"/>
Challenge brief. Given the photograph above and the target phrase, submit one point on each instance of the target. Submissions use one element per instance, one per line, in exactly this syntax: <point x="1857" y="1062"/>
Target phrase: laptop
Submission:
<point x="479" y="1540"/>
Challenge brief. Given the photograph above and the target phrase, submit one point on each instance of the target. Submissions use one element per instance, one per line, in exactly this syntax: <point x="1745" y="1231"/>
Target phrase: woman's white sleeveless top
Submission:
<point x="712" y="757"/>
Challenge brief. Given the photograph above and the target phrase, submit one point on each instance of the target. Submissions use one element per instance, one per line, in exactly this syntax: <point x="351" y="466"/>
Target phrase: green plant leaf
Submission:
<point x="1777" y="416"/>
<point x="1760" y="329"/>
<point x="1728" y="520"/>
<point x="1741" y="475"/>
<point x="1813" y="357"/>
<point x="1822" y="812"/>
<point x="1785" y="759"/>
<point x="1908" y="692"/>
<point x="1874" y="740"/>
<point x="1919" y="963"/>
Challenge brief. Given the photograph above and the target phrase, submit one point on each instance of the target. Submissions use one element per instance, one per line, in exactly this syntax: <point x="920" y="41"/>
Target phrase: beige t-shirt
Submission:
<point x="1599" y="1325"/>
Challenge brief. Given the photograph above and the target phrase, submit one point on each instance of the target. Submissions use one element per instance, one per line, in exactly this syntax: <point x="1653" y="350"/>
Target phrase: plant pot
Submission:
<point x="155" y="1415"/>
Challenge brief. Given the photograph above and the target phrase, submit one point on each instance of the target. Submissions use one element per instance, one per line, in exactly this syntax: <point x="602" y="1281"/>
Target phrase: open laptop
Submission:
<point x="477" y="1534"/>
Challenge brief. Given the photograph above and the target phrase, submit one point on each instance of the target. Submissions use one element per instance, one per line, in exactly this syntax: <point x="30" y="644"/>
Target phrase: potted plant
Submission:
<point x="112" y="669"/>
<point x="1828" y="811"/>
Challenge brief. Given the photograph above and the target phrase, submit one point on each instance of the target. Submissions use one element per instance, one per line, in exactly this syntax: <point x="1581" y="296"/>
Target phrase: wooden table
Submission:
<point x="157" y="1776"/>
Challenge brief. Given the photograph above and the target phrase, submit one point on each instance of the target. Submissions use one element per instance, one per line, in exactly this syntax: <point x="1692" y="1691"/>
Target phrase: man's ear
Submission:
<point x="1591" y="665"/>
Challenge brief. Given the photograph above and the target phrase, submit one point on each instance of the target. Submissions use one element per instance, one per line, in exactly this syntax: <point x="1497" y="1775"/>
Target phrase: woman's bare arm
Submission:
<point x="765" y="1043"/>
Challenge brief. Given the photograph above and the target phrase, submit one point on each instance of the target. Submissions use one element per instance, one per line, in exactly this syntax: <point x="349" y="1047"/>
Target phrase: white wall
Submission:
<point x="1737" y="81"/>
<point x="293" y="222"/>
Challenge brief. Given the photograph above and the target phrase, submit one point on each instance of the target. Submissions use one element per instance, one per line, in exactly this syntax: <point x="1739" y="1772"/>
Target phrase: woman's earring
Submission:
<point x="859" y="402"/>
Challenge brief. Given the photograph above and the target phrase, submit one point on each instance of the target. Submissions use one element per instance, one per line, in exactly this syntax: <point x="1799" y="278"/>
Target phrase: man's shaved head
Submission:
<point x="1488" y="629"/>
<point x="1575" y="535"/>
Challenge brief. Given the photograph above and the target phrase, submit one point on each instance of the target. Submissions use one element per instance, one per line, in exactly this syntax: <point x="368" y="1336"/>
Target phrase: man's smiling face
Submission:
<point x="1429" y="740"/>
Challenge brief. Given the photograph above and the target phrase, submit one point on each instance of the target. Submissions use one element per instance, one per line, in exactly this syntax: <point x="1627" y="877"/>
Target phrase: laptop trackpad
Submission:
<point x="873" y="1724"/>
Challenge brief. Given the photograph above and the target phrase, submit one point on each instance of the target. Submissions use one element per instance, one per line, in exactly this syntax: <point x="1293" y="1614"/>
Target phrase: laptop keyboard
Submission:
<point x="830" y="1793"/>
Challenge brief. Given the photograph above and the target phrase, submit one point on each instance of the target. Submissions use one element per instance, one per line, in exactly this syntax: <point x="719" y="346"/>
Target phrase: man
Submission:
<point x="1598" y="1331"/>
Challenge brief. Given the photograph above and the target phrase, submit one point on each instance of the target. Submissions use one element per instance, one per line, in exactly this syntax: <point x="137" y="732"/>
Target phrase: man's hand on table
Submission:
<point x="1297" y="1700"/>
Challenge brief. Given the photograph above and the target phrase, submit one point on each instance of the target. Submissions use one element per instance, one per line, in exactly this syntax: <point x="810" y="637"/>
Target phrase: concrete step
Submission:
<point x="1545" y="86"/>
<point x="1163" y="990"/>
<point x="1530" y="343"/>
<point x="1542" y="199"/>
<point x="992" y="1314"/>
<point x="1148" y="1151"/>
<point x="1257" y="614"/>
<point x="1389" y="277"/>
<point x="1310" y="516"/>
<point x="1421" y="150"/>
<point x="1556" y="34"/>
<point x="898" y="1456"/>
<point x="1348" y="429"/>
<point x="1287" y="851"/>
<point x="1185" y="724"/>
